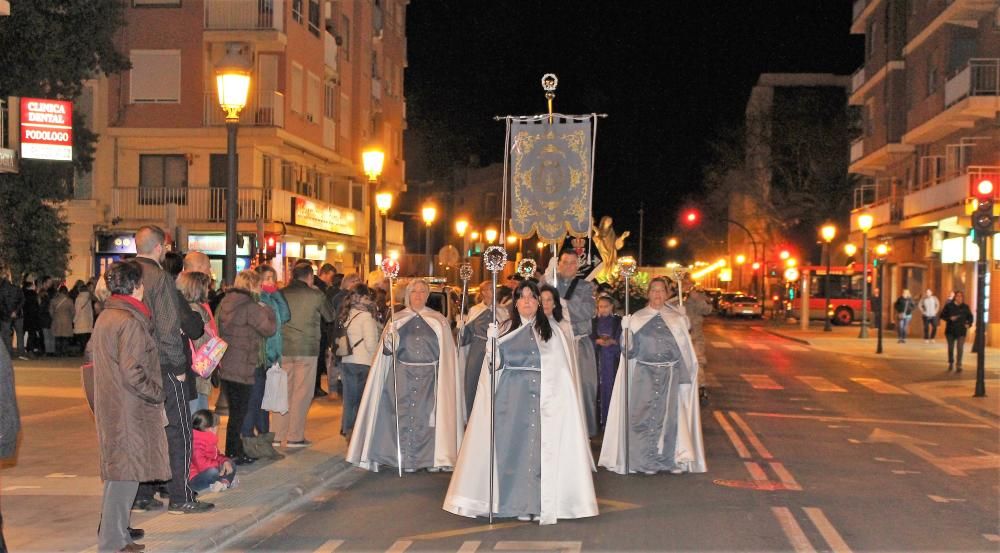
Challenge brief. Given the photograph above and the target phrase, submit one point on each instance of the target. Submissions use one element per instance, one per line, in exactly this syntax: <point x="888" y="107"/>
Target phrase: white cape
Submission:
<point x="567" y="488"/>
<point x="449" y="419"/>
<point x="690" y="450"/>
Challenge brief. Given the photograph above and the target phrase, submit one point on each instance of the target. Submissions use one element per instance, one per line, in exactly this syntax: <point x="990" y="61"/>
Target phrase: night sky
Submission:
<point x="671" y="79"/>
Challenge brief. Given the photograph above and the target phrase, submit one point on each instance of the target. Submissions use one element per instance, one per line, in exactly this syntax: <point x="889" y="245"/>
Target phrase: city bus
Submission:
<point x="845" y="293"/>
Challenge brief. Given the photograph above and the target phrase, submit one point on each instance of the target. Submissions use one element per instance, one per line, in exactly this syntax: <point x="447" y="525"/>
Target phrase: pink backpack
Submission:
<point x="206" y="358"/>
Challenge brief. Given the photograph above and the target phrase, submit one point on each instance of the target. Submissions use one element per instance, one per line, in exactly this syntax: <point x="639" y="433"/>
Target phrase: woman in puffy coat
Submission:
<point x="83" y="317"/>
<point x="61" y="309"/>
<point x="128" y="403"/>
<point x="244" y="322"/>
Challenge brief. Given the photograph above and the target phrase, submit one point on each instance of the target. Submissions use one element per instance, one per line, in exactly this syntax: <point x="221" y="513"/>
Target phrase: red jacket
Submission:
<point x="206" y="454"/>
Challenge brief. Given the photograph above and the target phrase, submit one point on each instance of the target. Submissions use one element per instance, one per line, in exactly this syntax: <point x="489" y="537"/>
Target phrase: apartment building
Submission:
<point x="929" y="90"/>
<point x="326" y="81"/>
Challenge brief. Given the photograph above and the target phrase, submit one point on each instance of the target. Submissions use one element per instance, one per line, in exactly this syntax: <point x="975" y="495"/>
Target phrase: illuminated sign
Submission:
<point x="215" y="244"/>
<point x="46" y="129"/>
<point x="318" y="215"/>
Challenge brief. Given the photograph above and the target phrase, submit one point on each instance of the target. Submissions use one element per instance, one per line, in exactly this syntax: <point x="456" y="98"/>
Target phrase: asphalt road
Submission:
<point x="807" y="450"/>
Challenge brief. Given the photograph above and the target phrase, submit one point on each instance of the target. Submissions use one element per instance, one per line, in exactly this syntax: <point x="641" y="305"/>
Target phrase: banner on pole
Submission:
<point x="550" y="175"/>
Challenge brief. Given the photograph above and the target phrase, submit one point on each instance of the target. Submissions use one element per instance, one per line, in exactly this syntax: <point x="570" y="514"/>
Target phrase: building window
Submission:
<point x="287" y="175"/>
<point x="345" y="116"/>
<point x="357" y="196"/>
<point x="163" y="179"/>
<point x="297" y="10"/>
<point x="870" y="39"/>
<point x="312" y="99"/>
<point x="314" y="17"/>
<point x="932" y="76"/>
<point x="267" y="172"/>
<point x="155" y="77"/>
<point x="329" y="100"/>
<point x="296" y="86"/>
<point x="345" y="24"/>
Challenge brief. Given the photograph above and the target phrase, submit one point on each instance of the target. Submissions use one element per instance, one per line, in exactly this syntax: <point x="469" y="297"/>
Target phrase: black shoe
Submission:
<point x="244" y="460"/>
<point x="136" y="533"/>
<point x="190" y="508"/>
<point x="950" y="367"/>
<point x="958" y="369"/>
<point x="143" y="505"/>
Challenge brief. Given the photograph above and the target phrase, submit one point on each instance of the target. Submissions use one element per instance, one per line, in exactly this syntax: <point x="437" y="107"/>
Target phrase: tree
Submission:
<point x="48" y="48"/>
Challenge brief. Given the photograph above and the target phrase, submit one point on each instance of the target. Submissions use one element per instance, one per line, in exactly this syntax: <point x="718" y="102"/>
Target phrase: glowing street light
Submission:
<point x="429" y="213"/>
<point x="671" y="242"/>
<point x="491" y="235"/>
<point x="865" y="223"/>
<point x="741" y="259"/>
<point x="850" y="249"/>
<point x="461" y="226"/>
<point x="232" y="77"/>
<point x="828" y="232"/>
<point x="383" y="200"/>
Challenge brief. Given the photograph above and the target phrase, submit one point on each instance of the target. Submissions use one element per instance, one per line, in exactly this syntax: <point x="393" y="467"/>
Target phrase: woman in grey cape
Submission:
<point x="472" y="340"/>
<point x="664" y="423"/>
<point x="431" y="402"/>
<point x="543" y="459"/>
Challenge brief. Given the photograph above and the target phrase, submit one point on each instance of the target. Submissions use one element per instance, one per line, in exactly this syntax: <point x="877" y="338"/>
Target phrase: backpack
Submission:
<point x="342" y="345"/>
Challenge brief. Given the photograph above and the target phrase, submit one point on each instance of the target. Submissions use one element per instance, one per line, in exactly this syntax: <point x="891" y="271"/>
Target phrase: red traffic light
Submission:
<point x="983" y="187"/>
<point x="270" y="242"/>
<point x="691" y="217"/>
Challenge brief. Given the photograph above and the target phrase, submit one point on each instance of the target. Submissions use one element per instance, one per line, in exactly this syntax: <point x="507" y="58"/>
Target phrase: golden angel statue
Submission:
<point x="608" y="245"/>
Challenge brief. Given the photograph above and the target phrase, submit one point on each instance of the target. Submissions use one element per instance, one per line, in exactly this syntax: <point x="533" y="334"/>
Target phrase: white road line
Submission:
<point x="829" y="533"/>
<point x="469" y="547"/>
<point x="762" y="382"/>
<point x="722" y="345"/>
<point x="796" y="537"/>
<point x="786" y="477"/>
<point x="751" y="436"/>
<point x="329" y="547"/>
<point x="399" y="547"/>
<point x="820" y="384"/>
<point x="992" y="537"/>
<point x="888" y="460"/>
<point x="906" y="472"/>
<point x="565" y="546"/>
<point x="795" y="348"/>
<point x="737" y="442"/>
<point x="941" y="499"/>
<point x="879" y="387"/>
<point x="757" y="473"/>
<point x="831" y="418"/>
<point x="755" y="345"/>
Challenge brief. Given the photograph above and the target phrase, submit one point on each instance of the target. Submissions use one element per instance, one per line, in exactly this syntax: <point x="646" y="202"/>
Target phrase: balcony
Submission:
<point x="266" y="110"/>
<point x="201" y="204"/>
<point x="947" y="199"/>
<point x="883" y="200"/>
<point x="857" y="149"/>
<point x="965" y="13"/>
<point x="330" y="51"/>
<point x="244" y="15"/>
<point x="858" y="79"/>
<point x="861" y="10"/>
<point x="971" y="95"/>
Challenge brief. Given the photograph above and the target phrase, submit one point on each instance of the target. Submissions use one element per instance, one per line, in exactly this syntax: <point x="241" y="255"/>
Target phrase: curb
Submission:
<point x="787" y="337"/>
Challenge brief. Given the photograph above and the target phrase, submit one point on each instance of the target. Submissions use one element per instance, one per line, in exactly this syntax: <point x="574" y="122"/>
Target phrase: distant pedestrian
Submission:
<point x="323" y="281"/>
<point x="929" y="308"/>
<point x="472" y="340"/>
<point x="904" y="308"/>
<point x="128" y="404"/>
<point x="210" y="469"/>
<point x="83" y="314"/>
<point x="46" y="291"/>
<point x="301" y="335"/>
<point x="357" y="316"/>
<point x="697" y="307"/>
<point x="957" y="319"/>
<point x="32" y="319"/>
<point x="61" y="309"/>
<point x="194" y="288"/>
<point x="337" y="297"/>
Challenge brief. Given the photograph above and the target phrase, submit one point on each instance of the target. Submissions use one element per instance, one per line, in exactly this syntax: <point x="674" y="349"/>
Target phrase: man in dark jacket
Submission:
<point x="10" y="421"/>
<point x="160" y="295"/>
<point x="11" y="303"/>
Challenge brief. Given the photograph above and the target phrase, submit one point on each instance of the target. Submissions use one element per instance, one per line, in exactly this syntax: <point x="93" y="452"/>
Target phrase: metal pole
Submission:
<point x="864" y="286"/>
<point x="493" y="395"/>
<point x="385" y="251"/>
<point x="395" y="383"/>
<point x="625" y="374"/>
<point x="641" y="210"/>
<point x="430" y="257"/>
<point x="229" y="269"/>
<point x="827" y="326"/>
<point x="878" y="313"/>
<point x="980" y="339"/>
<point x="371" y="226"/>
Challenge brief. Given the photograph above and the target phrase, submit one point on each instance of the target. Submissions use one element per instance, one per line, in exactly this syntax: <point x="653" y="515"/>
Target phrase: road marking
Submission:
<point x="837" y="426"/>
<point x="755" y="345"/>
<point x="940" y="499"/>
<point x="906" y="472"/>
<point x="880" y="387"/>
<point x="469" y="547"/>
<point x="796" y="537"/>
<point x="853" y="441"/>
<point x="762" y="382"/>
<point x="812" y="408"/>
<point x="786" y="477"/>
<point x="60" y="475"/>
<point x="829" y="533"/>
<point x="330" y="546"/>
<point x="952" y="466"/>
<point x="722" y="345"/>
<point x="399" y="546"/>
<point x="566" y="546"/>
<point x="820" y="384"/>
<point x="611" y="505"/>
<point x="14" y="488"/>
<point x="831" y="418"/>
<point x="737" y="442"/>
<point x="757" y="474"/>
<point x="888" y="460"/>
<point x="992" y="537"/>
<point x="751" y="436"/>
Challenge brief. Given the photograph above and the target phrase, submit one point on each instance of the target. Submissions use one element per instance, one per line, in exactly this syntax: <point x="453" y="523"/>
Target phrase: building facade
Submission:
<point x="929" y="91"/>
<point x="326" y="81"/>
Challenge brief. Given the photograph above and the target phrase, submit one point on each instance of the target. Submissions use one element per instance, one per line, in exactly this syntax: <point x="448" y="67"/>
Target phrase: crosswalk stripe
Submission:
<point x="469" y="547"/>
<point x="796" y="537"/>
<point x="786" y="477"/>
<point x="751" y="435"/>
<point x="829" y="533"/>
<point x="722" y="345"/>
<point x="399" y="546"/>
<point x="329" y="547"/>
<point x="820" y="384"/>
<point x="755" y="345"/>
<point x="737" y="442"/>
<point x="762" y="382"/>
<point x="880" y="387"/>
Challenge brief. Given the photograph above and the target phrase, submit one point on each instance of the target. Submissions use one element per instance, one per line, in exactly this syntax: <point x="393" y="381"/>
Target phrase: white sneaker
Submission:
<point x="410" y="470"/>
<point x="676" y="471"/>
<point x="526" y="518"/>
<point x="433" y="469"/>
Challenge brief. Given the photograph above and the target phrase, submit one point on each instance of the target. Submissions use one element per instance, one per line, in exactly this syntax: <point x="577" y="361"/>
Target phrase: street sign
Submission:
<point x="46" y="129"/>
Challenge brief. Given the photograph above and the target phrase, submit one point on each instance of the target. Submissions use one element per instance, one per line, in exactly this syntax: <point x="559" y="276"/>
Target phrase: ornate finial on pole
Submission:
<point x="527" y="267"/>
<point x="495" y="257"/>
<point x="549" y="84"/>
<point x="626" y="266"/>
<point x="465" y="272"/>
<point x="390" y="268"/>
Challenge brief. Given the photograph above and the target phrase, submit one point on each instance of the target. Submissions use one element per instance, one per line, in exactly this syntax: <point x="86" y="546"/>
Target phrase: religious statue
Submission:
<point x="608" y="245"/>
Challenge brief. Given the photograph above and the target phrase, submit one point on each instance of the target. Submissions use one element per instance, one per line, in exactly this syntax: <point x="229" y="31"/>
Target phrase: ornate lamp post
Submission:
<point x="850" y="249"/>
<point x="828" y="232"/>
<point x="383" y="200"/>
<point x="865" y="222"/>
<point x="881" y="251"/>
<point x="491" y="235"/>
<point x="740" y="260"/>
<point x="232" y="78"/>
<point x="372" y="158"/>
<point x="429" y="213"/>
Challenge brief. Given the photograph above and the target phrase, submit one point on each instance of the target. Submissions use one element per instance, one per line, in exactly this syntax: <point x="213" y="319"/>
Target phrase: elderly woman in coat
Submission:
<point x="62" y="311"/>
<point x="128" y="403"/>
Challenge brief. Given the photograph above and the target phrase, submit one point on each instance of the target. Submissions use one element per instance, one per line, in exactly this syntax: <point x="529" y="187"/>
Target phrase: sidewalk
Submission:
<point x="51" y="493"/>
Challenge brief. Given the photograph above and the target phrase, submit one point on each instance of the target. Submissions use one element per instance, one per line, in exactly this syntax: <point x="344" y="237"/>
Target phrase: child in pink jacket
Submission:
<point x="210" y="469"/>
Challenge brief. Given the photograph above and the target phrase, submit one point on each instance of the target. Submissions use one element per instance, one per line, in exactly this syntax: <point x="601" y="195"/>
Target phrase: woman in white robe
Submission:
<point x="431" y="403"/>
<point x="664" y="422"/>
<point x="552" y="307"/>
<point x="538" y="424"/>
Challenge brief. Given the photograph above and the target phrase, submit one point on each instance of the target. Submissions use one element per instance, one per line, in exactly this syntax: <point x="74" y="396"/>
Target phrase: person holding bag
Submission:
<point x="356" y="348"/>
<point x="194" y="288"/>
<point x="257" y="424"/>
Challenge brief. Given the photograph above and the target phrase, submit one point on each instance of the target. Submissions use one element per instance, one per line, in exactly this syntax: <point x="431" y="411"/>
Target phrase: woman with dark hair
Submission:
<point x="663" y="421"/>
<point x="551" y="305"/>
<point x="128" y="403"/>
<point x="539" y="418"/>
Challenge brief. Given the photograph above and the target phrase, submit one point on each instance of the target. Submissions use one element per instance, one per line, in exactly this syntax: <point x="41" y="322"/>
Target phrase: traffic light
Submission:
<point x="691" y="217"/>
<point x="270" y="249"/>
<point x="983" y="188"/>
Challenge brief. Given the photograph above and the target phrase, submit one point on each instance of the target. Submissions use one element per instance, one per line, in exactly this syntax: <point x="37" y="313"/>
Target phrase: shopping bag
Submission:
<point x="276" y="390"/>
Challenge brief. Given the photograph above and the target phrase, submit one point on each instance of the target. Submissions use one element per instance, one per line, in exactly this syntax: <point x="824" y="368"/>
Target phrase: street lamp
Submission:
<point x="383" y="200"/>
<point x="461" y="226"/>
<point x="881" y="251"/>
<point x="429" y="213"/>
<point x="491" y="235"/>
<point x="671" y="242"/>
<point x="232" y="78"/>
<point x="372" y="160"/>
<point x="865" y="222"/>
<point x="740" y="260"/>
<point x="850" y="249"/>
<point x="828" y="232"/>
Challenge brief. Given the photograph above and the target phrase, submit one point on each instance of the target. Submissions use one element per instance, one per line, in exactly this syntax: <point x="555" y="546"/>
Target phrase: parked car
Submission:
<point x="744" y="306"/>
<point x="722" y="305"/>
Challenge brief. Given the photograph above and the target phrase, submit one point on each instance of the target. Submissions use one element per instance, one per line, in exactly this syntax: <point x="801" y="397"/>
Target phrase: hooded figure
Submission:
<point x="664" y="422"/>
<point x="543" y="461"/>
<point x="472" y="340"/>
<point x="431" y="399"/>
